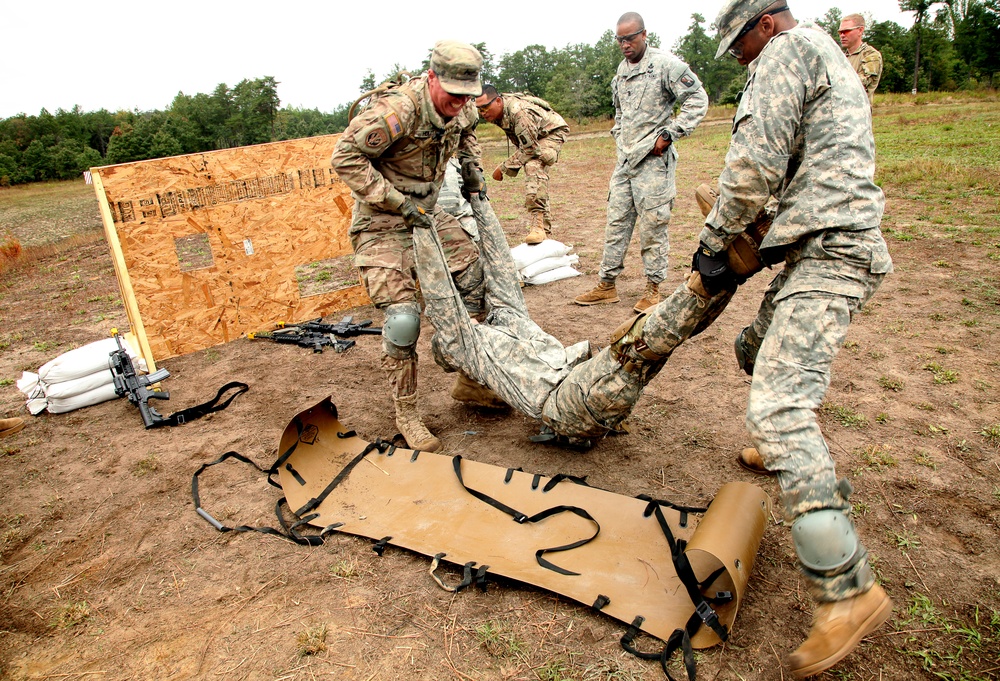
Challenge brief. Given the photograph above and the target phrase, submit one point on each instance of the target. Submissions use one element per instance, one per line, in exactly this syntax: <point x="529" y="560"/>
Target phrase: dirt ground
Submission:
<point x="108" y="573"/>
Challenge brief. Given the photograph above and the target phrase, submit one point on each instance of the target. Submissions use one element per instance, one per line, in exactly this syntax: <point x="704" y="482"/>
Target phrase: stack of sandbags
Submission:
<point x="545" y="262"/>
<point x="75" y="379"/>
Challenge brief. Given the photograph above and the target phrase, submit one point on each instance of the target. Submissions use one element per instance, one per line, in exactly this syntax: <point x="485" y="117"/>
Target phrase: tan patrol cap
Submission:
<point x="457" y="67"/>
<point x="733" y="17"/>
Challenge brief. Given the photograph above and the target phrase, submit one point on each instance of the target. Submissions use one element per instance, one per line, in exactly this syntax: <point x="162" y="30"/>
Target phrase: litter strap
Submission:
<point x="522" y="518"/>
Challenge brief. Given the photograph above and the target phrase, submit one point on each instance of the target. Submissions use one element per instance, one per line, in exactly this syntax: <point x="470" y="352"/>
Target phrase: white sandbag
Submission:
<point x="77" y="386"/>
<point x="95" y="396"/>
<point x="84" y="361"/>
<point x="553" y="275"/>
<point x="534" y="269"/>
<point x="29" y="385"/>
<point x="526" y="254"/>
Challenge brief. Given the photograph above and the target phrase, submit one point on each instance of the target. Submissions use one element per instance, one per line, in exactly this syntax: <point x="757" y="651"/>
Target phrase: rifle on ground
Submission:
<point x="345" y="328"/>
<point x="135" y="387"/>
<point x="304" y="339"/>
<point x="317" y="335"/>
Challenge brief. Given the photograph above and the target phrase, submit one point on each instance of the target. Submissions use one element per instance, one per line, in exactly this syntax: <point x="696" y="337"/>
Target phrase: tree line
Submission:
<point x="951" y="46"/>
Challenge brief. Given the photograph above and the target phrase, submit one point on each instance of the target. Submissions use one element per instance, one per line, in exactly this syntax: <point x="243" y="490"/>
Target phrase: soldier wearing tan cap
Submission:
<point x="393" y="156"/>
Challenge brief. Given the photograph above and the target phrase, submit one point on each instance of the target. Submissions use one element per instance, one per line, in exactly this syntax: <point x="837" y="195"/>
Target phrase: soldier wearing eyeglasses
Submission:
<point x="538" y="133"/>
<point x="866" y="60"/>
<point x="803" y="135"/>
<point x="647" y="86"/>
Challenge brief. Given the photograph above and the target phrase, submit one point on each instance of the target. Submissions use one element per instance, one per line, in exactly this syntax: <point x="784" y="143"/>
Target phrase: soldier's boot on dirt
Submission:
<point x="536" y="232"/>
<point x="11" y="426"/>
<point x="604" y="292"/>
<point x="837" y="629"/>
<point x="411" y="427"/>
<point x="649" y="298"/>
<point x="751" y="460"/>
<point x="468" y="391"/>
<point x="706" y="197"/>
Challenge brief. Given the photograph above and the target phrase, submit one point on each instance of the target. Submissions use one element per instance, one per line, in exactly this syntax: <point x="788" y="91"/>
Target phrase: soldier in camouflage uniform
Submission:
<point x="647" y="86"/>
<point x="537" y="132"/>
<point x="393" y="157"/>
<point x="802" y="133"/>
<point x="574" y="396"/>
<point x="865" y="59"/>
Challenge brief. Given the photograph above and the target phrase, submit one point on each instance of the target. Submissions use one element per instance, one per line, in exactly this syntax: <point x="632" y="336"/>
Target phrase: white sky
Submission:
<point x="140" y="54"/>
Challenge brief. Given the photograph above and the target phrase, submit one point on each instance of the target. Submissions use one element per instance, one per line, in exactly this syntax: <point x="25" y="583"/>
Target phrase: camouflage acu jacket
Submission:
<point x="802" y="133"/>
<point x="400" y="145"/>
<point x="644" y="95"/>
<point x="527" y="123"/>
<point x="867" y="63"/>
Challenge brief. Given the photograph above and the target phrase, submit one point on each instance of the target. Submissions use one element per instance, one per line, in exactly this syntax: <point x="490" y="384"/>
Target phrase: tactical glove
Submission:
<point x="498" y="174"/>
<point x="714" y="270"/>
<point x="472" y="176"/>
<point x="415" y="216"/>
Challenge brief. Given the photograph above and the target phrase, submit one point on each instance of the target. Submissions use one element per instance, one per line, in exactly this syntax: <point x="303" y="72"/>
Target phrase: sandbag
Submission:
<point x="546" y="264"/>
<point x="594" y="546"/>
<point x="84" y="361"/>
<point x="527" y="254"/>
<point x="553" y="275"/>
<point x="78" y="386"/>
<point x="96" y="396"/>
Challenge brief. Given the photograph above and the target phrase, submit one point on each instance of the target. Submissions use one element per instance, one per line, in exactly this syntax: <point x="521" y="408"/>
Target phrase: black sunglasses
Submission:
<point x="622" y="39"/>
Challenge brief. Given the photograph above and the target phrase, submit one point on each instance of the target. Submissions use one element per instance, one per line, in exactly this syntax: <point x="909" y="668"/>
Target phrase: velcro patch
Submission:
<point x="687" y="80"/>
<point x="395" y="127"/>
<point x="375" y="139"/>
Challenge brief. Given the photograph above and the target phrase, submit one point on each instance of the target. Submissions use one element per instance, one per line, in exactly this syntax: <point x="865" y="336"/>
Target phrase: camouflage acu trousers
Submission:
<point x="508" y="352"/>
<point x="536" y="191"/>
<point x="642" y="196"/>
<point x="803" y="321"/>
<point x="383" y="254"/>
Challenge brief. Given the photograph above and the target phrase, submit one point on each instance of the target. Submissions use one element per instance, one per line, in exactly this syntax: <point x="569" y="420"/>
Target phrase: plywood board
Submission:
<point x="207" y="246"/>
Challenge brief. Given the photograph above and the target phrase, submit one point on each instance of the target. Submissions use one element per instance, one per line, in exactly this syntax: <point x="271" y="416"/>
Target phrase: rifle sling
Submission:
<point x="196" y="412"/>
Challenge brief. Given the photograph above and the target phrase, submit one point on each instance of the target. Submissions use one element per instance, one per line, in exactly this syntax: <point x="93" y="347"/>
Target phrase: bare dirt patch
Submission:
<point x="107" y="572"/>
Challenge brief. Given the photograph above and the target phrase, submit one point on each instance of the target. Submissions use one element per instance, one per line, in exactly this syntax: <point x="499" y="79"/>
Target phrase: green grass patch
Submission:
<point x="941" y="375"/>
<point x="845" y="416"/>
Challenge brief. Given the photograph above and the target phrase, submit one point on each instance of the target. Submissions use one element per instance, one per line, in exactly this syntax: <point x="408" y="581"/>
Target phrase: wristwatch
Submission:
<point x="666" y="137"/>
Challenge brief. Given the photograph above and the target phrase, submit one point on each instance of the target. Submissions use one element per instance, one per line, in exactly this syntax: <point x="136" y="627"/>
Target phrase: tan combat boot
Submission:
<point x="705" y="196"/>
<point x="751" y="460"/>
<point x="11" y="426"/>
<point x="649" y="298"/>
<point x="468" y="391"/>
<point x="837" y="629"/>
<point x="536" y="233"/>
<point x="604" y="293"/>
<point x="412" y="428"/>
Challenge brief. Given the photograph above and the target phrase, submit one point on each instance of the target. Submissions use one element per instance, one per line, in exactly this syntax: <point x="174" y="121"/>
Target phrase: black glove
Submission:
<point x="714" y="270"/>
<point x="472" y="176"/>
<point x="415" y="216"/>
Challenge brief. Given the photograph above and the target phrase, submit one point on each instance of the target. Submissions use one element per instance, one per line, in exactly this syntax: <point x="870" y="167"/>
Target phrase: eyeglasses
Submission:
<point x="845" y="31"/>
<point x="482" y="109"/>
<point x="622" y="39"/>
<point x="751" y="25"/>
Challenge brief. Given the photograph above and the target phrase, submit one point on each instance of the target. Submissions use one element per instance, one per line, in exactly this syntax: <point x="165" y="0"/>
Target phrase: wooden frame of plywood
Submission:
<point x="208" y="247"/>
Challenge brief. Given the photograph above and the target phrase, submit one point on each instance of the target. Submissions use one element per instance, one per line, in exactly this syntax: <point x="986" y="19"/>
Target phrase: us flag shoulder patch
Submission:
<point x="395" y="128"/>
<point x="687" y="80"/>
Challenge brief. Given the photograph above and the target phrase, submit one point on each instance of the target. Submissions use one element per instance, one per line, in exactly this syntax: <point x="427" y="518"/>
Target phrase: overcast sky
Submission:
<point x="140" y="54"/>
